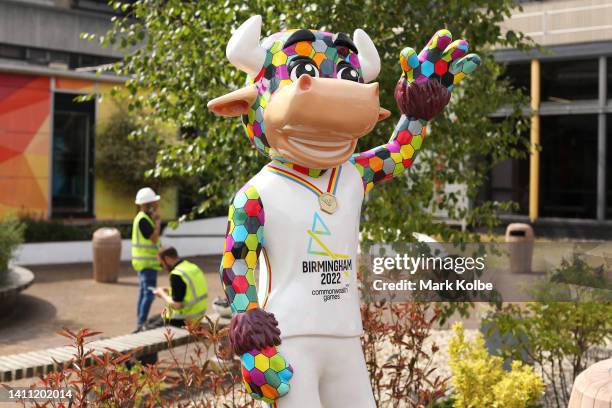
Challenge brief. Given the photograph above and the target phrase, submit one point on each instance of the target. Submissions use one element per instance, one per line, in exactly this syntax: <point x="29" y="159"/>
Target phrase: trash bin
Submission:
<point x="520" y="247"/>
<point x="106" y="254"/>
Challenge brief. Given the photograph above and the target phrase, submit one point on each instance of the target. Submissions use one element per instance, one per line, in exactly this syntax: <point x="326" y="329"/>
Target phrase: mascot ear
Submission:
<point x="235" y="103"/>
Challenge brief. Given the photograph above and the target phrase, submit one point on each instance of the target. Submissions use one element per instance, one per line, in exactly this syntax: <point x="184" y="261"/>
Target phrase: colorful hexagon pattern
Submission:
<point x="319" y="48"/>
<point x="243" y="243"/>
<point x="387" y="161"/>
<point x="441" y="60"/>
<point x="266" y="374"/>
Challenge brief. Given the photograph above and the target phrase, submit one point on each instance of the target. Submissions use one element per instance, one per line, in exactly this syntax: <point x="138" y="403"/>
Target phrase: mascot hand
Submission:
<point x="266" y="374"/>
<point x="254" y="336"/>
<point x="428" y="77"/>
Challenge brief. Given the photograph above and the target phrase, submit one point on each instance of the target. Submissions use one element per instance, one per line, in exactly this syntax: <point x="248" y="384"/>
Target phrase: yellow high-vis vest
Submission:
<point x="144" y="251"/>
<point x="196" y="295"/>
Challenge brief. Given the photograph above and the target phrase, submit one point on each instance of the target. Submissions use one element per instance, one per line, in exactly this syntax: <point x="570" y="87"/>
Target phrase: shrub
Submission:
<point x="578" y="272"/>
<point x="480" y="380"/>
<point x="11" y="236"/>
<point x="558" y="336"/>
<point x="399" y="354"/>
<point x="202" y="377"/>
<point x="39" y="230"/>
<point x="207" y="375"/>
<point x="519" y="388"/>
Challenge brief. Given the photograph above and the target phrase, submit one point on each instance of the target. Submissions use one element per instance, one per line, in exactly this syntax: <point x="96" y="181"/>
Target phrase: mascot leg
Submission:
<point x="329" y="372"/>
<point x="345" y="381"/>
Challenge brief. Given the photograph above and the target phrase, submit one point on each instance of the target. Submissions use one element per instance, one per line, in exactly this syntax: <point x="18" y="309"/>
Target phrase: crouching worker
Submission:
<point x="188" y="293"/>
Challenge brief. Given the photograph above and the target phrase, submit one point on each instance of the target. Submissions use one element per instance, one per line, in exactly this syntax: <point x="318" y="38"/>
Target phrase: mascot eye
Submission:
<point x="303" y="66"/>
<point x="348" y="73"/>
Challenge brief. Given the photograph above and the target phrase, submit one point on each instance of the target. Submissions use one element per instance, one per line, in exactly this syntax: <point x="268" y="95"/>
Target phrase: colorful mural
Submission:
<point x="25" y="146"/>
<point x="25" y="139"/>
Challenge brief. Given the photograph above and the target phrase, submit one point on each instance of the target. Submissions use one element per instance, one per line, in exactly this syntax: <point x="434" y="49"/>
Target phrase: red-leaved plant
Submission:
<point x="206" y="374"/>
<point x="399" y="357"/>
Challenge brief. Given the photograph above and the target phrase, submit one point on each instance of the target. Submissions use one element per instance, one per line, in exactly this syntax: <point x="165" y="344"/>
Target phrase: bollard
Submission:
<point x="106" y="254"/>
<point x="519" y="238"/>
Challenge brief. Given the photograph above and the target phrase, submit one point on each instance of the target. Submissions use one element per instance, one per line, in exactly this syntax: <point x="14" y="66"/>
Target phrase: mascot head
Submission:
<point x="308" y="98"/>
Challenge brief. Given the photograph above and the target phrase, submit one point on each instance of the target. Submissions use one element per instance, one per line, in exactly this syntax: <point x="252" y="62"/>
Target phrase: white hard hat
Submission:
<point x="146" y="195"/>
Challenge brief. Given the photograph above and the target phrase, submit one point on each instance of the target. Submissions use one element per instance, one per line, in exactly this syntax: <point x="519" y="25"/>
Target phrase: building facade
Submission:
<point x="47" y="139"/>
<point x="565" y="185"/>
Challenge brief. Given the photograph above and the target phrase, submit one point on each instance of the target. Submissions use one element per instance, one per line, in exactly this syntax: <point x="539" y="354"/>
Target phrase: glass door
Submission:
<point x="72" y="157"/>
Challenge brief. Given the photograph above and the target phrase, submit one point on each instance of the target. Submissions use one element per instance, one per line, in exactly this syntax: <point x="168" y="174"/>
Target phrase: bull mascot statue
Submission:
<point x="309" y="98"/>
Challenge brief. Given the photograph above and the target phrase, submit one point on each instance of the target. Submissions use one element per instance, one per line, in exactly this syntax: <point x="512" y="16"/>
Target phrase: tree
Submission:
<point x="123" y="160"/>
<point x="175" y="60"/>
<point x="174" y="54"/>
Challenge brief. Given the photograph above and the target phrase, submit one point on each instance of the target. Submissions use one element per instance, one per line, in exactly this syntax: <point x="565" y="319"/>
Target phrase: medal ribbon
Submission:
<point x="332" y="186"/>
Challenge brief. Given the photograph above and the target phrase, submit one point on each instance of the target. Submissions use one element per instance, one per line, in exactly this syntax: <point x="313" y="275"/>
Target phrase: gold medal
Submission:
<point x="327" y="200"/>
<point x="328" y="203"/>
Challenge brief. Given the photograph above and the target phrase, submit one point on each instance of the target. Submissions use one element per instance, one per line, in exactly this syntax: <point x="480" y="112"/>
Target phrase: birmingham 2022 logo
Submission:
<point x="335" y="263"/>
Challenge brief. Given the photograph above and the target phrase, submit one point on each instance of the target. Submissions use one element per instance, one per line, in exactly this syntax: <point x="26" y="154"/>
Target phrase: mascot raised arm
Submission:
<point x="310" y="95"/>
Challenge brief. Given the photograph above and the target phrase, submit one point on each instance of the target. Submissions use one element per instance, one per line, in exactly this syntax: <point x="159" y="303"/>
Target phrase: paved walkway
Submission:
<point x="67" y="296"/>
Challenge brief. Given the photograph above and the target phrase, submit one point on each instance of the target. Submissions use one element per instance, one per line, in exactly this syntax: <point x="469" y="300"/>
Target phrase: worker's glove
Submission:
<point x="425" y="86"/>
<point x="265" y="372"/>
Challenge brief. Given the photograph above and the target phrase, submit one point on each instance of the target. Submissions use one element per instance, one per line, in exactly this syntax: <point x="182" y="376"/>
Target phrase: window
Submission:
<point x="59" y="57"/>
<point x="509" y="181"/>
<point x="609" y="64"/>
<point x="36" y="56"/>
<point x="72" y="183"/>
<point x="41" y="56"/>
<point x="11" y="51"/>
<point x="98" y="5"/>
<point x="519" y="76"/>
<point x="609" y="163"/>
<point x="568" y="166"/>
<point x="88" y="61"/>
<point x="568" y="134"/>
<point x="566" y="81"/>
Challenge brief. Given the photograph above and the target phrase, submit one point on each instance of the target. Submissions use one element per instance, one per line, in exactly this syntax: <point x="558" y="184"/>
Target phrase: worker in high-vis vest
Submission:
<point x="187" y="296"/>
<point x="145" y="244"/>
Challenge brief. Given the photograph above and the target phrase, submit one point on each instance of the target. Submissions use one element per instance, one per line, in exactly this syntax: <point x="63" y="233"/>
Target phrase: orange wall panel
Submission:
<point x="25" y="140"/>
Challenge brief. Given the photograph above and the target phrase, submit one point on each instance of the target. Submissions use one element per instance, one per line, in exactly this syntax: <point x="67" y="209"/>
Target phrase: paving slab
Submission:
<point x="67" y="296"/>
